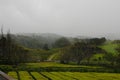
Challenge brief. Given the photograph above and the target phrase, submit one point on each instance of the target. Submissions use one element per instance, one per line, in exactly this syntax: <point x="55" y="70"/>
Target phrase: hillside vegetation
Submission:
<point x="110" y="47"/>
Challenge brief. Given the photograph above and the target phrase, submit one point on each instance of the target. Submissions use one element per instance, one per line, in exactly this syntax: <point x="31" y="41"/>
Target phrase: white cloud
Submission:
<point x="61" y="16"/>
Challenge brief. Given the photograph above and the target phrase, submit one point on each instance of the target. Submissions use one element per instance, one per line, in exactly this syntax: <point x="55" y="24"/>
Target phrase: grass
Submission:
<point x="110" y="47"/>
<point x="97" y="57"/>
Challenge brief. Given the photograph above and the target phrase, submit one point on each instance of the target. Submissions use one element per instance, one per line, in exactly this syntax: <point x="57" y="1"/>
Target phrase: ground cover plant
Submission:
<point x="24" y="75"/>
<point x="13" y="74"/>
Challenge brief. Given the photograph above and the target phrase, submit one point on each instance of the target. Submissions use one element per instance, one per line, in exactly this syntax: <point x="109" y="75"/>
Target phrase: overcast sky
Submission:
<point x="66" y="17"/>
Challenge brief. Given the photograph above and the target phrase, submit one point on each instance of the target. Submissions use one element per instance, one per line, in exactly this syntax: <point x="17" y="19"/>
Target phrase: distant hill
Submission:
<point x="36" y="40"/>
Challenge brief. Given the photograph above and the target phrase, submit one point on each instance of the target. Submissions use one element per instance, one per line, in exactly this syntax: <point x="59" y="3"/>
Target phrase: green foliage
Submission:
<point x="38" y="55"/>
<point x="118" y="59"/>
<point x="48" y="64"/>
<point x="51" y="66"/>
<point x="77" y="52"/>
<point x="38" y="76"/>
<point x="97" y="41"/>
<point x="45" y="47"/>
<point x="69" y="76"/>
<point x="24" y="75"/>
<point x="6" y="68"/>
<point x="112" y="55"/>
<point x="51" y="76"/>
<point x="92" y="76"/>
<point x="10" y="52"/>
<point x="54" y="57"/>
<point x="99" y="58"/>
<point x="62" y="76"/>
<point x="110" y="48"/>
<point x="13" y="74"/>
<point x="62" y="42"/>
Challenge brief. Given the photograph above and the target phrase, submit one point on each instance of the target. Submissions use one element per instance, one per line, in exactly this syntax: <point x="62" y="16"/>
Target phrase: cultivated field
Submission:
<point x="25" y="75"/>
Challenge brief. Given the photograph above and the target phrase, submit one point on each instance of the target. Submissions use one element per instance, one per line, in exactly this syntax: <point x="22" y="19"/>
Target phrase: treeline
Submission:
<point x="82" y="50"/>
<point x="10" y="52"/>
<point x="79" y="50"/>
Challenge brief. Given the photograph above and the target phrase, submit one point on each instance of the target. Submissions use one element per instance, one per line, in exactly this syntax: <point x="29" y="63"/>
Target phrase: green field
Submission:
<point x="24" y="75"/>
<point x="54" y="66"/>
<point x="110" y="47"/>
<point x="58" y="71"/>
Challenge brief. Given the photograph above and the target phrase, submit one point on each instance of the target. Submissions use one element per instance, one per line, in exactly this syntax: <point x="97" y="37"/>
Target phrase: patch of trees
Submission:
<point x="96" y="41"/>
<point x="38" y="55"/>
<point x="10" y="52"/>
<point x="82" y="51"/>
<point x="114" y="60"/>
<point x="62" y="42"/>
<point x="77" y="52"/>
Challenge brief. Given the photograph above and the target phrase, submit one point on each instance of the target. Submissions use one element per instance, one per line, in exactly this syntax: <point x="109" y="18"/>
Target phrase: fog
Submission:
<point x="65" y="17"/>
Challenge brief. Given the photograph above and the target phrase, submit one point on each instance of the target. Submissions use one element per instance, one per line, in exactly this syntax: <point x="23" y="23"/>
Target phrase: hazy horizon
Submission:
<point x="64" y="17"/>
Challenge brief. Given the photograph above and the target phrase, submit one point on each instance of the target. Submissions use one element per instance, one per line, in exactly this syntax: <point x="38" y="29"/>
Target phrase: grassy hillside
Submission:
<point x="110" y="47"/>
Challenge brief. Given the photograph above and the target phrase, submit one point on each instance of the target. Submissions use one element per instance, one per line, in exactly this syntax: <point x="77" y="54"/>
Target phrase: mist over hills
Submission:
<point x="38" y="40"/>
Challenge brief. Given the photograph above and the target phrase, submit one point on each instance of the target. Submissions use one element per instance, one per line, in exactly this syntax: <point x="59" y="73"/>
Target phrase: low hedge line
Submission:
<point x="70" y="69"/>
<point x="57" y="69"/>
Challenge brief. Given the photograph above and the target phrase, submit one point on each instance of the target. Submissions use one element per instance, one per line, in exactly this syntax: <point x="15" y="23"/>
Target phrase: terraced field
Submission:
<point x="24" y="75"/>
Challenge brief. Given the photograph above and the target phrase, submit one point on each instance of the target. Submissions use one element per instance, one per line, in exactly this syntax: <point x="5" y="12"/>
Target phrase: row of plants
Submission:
<point x="13" y="74"/>
<point x="38" y="76"/>
<point x="51" y="76"/>
<point x="58" y="69"/>
<point x="62" y="76"/>
<point x="25" y="75"/>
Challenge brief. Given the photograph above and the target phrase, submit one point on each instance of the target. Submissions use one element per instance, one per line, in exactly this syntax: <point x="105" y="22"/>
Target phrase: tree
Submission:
<point x="76" y="52"/>
<point x="118" y="59"/>
<point x="65" y="55"/>
<point x="10" y="52"/>
<point x="97" y="41"/>
<point x="111" y="58"/>
<point x="62" y="42"/>
<point x="45" y="47"/>
<point x="82" y="50"/>
<point x="3" y="45"/>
